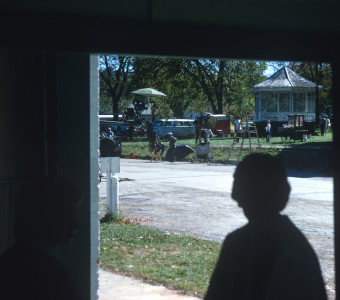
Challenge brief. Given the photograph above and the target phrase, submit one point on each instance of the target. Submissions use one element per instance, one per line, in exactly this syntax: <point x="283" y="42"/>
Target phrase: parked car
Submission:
<point x="178" y="127"/>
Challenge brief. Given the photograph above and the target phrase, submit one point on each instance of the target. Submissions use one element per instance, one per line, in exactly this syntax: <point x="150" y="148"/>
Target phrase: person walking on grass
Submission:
<point x="323" y="125"/>
<point x="268" y="127"/>
<point x="268" y="258"/>
<point x="327" y="125"/>
<point x="237" y="124"/>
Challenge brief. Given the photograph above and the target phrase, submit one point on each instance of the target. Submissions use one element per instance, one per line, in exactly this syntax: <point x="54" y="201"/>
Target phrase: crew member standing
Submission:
<point x="237" y="124"/>
<point x="328" y="124"/>
<point x="170" y="155"/>
<point x="322" y="125"/>
<point x="268" y="127"/>
<point x="109" y="133"/>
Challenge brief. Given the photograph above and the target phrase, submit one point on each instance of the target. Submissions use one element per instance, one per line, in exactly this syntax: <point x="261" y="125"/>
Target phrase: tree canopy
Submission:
<point x="114" y="71"/>
<point x="220" y="86"/>
<point x="226" y="83"/>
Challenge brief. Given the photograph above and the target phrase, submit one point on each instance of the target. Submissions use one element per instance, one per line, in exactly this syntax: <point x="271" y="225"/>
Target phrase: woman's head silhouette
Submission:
<point x="260" y="185"/>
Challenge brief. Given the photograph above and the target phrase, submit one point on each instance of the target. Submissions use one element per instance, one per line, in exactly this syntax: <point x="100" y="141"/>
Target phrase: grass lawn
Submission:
<point x="220" y="147"/>
<point x="175" y="261"/>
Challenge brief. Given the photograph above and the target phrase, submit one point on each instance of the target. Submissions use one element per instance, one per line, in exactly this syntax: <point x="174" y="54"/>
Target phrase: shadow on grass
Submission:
<point x="302" y="145"/>
<point x="308" y="160"/>
<point x="307" y="173"/>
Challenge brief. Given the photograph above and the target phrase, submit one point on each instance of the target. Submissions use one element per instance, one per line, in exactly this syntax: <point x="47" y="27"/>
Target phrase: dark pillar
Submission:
<point x="74" y="161"/>
<point x="336" y="168"/>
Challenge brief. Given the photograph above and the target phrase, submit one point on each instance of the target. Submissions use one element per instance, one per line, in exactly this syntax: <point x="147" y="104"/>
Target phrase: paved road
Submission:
<point x="119" y="287"/>
<point x="194" y="199"/>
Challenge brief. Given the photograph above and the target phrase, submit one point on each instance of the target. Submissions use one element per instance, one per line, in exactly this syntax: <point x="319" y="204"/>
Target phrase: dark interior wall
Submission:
<point x="45" y="129"/>
<point x="21" y="115"/>
<point x="73" y="110"/>
<point x="22" y="154"/>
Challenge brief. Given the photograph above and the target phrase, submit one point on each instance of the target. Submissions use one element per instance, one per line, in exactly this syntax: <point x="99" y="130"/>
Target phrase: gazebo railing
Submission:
<point x="282" y="116"/>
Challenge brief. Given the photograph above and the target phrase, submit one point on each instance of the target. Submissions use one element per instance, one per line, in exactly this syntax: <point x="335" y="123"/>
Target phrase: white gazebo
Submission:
<point x="282" y="94"/>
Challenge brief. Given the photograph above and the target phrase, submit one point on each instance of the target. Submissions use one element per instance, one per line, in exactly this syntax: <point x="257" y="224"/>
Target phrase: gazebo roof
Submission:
<point x="285" y="78"/>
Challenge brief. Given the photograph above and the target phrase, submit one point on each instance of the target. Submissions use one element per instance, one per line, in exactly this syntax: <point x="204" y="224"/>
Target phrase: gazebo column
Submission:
<point x="259" y="107"/>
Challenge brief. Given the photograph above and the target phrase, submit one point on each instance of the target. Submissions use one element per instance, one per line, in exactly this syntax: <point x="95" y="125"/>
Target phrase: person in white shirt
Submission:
<point x="109" y="133"/>
<point x="237" y="124"/>
<point x="328" y="124"/>
<point x="268" y="127"/>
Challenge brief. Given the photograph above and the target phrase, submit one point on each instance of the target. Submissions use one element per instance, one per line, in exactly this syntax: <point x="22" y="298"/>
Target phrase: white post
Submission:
<point x="110" y="166"/>
<point x="108" y="192"/>
<point x="112" y="187"/>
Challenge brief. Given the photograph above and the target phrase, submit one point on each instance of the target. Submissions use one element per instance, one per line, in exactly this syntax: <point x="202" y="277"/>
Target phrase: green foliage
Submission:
<point x="112" y="218"/>
<point x="114" y="72"/>
<point x="165" y="75"/>
<point x="220" y="147"/>
<point x="321" y="74"/>
<point x="226" y="83"/>
<point x="198" y="85"/>
<point x="179" y="262"/>
<point x="105" y="105"/>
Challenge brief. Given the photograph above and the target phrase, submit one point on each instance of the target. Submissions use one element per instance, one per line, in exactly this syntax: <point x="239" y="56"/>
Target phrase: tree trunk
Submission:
<point x="219" y="105"/>
<point x="115" y="108"/>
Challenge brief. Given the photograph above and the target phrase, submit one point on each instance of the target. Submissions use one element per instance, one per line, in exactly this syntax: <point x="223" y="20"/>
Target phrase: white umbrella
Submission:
<point x="148" y="92"/>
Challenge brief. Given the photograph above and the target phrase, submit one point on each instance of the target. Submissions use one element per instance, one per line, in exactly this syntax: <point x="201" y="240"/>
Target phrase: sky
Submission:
<point x="270" y="69"/>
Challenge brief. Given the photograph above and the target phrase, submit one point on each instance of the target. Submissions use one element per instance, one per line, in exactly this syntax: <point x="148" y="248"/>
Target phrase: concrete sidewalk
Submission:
<point x="118" y="287"/>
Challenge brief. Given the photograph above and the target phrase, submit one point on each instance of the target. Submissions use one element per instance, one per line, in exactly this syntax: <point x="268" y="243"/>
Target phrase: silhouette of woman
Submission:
<point x="269" y="258"/>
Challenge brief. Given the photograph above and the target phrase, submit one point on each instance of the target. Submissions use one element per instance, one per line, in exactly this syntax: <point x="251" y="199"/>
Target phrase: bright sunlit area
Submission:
<point x="177" y="128"/>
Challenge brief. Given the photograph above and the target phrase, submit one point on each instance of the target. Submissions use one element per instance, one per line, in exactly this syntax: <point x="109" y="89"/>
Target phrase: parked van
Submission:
<point x="222" y="124"/>
<point x="178" y="127"/>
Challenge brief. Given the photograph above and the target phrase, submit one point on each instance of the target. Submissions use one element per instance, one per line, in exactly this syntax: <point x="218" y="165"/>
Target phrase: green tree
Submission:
<point x="321" y="74"/>
<point x="167" y="76"/>
<point x="146" y="72"/>
<point x="226" y="83"/>
<point x="105" y="104"/>
<point x="180" y="88"/>
<point x="198" y="85"/>
<point x="114" y="73"/>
